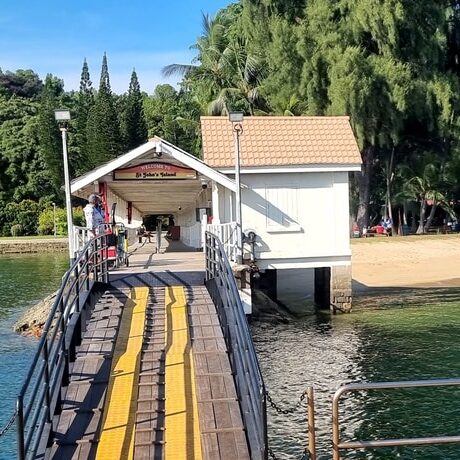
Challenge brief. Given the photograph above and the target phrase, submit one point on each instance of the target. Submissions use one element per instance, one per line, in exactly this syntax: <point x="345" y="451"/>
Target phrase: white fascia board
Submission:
<point x="107" y="168"/>
<point x="293" y="169"/>
<point x="303" y="262"/>
<point x="197" y="165"/>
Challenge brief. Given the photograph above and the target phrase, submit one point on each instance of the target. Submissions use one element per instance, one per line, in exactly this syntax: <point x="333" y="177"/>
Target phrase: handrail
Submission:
<point x="337" y="445"/>
<point x="249" y="382"/>
<point x="228" y="236"/>
<point x="81" y="236"/>
<point x="40" y="393"/>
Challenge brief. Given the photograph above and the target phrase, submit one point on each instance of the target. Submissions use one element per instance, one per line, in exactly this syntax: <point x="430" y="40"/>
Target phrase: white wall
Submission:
<point x="295" y="216"/>
<point x="222" y="205"/>
<point x="121" y="211"/>
<point x="190" y="229"/>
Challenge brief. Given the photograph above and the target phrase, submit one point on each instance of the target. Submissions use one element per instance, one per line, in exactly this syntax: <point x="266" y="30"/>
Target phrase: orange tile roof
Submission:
<point x="280" y="141"/>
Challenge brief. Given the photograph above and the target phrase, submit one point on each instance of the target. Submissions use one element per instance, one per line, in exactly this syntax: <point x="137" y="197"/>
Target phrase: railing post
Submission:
<point x="20" y="427"/>
<point x="311" y="448"/>
<point x="106" y="261"/>
<point x="87" y="270"/>
<point x="65" y="375"/>
<point x="77" y="288"/>
<point x="47" y="381"/>
<point x="96" y="260"/>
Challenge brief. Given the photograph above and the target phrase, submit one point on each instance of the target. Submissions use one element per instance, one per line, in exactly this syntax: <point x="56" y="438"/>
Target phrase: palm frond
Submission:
<point x="181" y="70"/>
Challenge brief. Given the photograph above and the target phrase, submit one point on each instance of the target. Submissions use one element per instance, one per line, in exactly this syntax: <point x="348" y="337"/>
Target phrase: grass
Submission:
<point x="30" y="237"/>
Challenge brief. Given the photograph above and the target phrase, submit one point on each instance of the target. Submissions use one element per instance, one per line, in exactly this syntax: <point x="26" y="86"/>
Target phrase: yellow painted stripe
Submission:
<point x="182" y="431"/>
<point x="118" y="426"/>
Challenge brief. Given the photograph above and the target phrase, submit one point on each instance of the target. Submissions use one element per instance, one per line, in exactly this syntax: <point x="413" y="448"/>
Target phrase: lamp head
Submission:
<point x="62" y="115"/>
<point x="235" y="117"/>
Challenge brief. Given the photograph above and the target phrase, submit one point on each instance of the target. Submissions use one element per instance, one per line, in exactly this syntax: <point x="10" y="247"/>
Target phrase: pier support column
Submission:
<point x="267" y="283"/>
<point x="322" y="287"/>
<point x="341" y="294"/>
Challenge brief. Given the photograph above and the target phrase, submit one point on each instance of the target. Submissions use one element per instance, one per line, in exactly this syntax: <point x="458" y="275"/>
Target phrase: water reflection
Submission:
<point x="326" y="351"/>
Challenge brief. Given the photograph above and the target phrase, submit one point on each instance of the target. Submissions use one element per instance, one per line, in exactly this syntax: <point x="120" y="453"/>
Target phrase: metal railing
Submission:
<point x="337" y="445"/>
<point x="81" y="236"/>
<point x="243" y="359"/>
<point x="228" y="235"/>
<point x="40" y="395"/>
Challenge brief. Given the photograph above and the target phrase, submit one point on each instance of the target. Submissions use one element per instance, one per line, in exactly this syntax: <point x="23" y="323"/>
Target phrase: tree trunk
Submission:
<point x="363" y="179"/>
<point x="389" y="181"/>
<point x="430" y="217"/>
<point x="421" y="226"/>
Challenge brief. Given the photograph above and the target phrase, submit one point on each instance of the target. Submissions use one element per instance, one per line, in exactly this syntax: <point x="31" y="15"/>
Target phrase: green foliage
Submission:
<point x="134" y="126"/>
<point x="24" y="213"/>
<point x="173" y="116"/>
<point x="17" y="230"/>
<point x="50" y="149"/>
<point x="84" y="104"/>
<point x="103" y="129"/>
<point x="22" y="83"/>
<point x="46" y="221"/>
<point x="78" y="217"/>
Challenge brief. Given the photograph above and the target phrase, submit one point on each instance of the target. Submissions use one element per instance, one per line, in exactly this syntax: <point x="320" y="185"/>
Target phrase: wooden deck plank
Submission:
<point x="150" y="419"/>
<point x="222" y="436"/>
<point x="76" y="432"/>
<point x="217" y="405"/>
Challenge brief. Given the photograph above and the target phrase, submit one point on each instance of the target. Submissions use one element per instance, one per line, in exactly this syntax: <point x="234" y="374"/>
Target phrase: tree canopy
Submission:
<point x="392" y="66"/>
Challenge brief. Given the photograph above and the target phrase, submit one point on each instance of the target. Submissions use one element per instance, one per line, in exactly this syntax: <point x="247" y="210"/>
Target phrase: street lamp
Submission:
<point x="62" y="116"/>
<point x="236" y="118"/>
<point x="54" y="219"/>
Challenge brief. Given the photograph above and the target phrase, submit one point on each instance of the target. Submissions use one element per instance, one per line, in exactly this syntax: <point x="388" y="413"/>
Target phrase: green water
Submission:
<point x="318" y="349"/>
<point x="24" y="280"/>
<point x="378" y="345"/>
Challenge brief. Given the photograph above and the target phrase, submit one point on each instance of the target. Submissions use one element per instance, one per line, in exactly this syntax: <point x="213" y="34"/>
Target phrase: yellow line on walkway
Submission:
<point x="116" y="439"/>
<point x="182" y="431"/>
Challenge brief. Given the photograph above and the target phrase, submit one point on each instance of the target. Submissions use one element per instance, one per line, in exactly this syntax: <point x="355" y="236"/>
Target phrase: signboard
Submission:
<point x="154" y="171"/>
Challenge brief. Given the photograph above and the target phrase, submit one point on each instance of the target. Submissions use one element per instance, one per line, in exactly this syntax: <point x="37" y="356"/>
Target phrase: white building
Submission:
<point x="295" y="197"/>
<point x="295" y="194"/>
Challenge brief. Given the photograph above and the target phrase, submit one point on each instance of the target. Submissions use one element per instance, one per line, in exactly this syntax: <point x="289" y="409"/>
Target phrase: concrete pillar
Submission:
<point x="341" y="295"/>
<point x="267" y="283"/>
<point x="322" y="287"/>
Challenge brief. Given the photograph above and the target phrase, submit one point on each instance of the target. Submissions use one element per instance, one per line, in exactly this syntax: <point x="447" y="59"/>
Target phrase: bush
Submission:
<point x="17" y="230"/>
<point x="79" y="217"/>
<point x="24" y="213"/>
<point x="46" y="221"/>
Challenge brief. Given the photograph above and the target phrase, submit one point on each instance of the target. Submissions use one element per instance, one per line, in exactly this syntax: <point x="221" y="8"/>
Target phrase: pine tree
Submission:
<point x="134" y="126"/>
<point x="85" y="101"/>
<point x="50" y="149"/>
<point x="103" y="129"/>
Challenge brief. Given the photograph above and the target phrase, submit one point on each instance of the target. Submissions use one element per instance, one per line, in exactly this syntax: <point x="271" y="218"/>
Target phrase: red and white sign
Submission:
<point x="154" y="171"/>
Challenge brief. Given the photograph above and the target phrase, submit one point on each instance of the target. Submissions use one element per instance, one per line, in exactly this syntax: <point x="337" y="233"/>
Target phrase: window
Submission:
<point x="282" y="209"/>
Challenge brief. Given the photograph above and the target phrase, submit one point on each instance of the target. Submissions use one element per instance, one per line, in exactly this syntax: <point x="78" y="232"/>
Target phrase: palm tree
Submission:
<point x="224" y="75"/>
<point x="427" y="185"/>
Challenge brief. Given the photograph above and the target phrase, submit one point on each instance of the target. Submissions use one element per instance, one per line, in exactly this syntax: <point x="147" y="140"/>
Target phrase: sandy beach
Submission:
<point x="406" y="270"/>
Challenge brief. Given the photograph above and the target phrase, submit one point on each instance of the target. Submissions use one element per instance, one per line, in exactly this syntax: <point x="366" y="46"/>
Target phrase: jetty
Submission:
<point x="150" y="360"/>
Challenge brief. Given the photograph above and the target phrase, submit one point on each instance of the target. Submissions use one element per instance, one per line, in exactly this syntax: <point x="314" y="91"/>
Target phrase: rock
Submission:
<point x="33" y="320"/>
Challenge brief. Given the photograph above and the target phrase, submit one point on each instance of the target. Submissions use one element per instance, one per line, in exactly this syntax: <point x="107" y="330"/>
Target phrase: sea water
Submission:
<point x="24" y="280"/>
<point x="325" y="351"/>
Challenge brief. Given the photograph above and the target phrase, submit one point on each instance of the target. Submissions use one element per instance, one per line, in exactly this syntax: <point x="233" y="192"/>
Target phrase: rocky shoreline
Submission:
<point x="32" y="245"/>
<point x="34" y="318"/>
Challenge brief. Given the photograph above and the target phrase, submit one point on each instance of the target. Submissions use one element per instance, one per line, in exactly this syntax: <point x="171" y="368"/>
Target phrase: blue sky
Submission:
<point x="51" y="36"/>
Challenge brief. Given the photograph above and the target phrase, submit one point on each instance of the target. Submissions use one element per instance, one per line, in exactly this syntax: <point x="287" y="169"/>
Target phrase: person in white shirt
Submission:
<point x="94" y="213"/>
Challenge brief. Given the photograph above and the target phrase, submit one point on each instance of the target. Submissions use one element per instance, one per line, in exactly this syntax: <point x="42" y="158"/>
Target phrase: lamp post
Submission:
<point x="62" y="116"/>
<point x="236" y="119"/>
<point x="54" y="219"/>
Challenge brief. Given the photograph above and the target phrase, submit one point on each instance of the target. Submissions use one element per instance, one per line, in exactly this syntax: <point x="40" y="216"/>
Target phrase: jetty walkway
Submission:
<point x="151" y="376"/>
